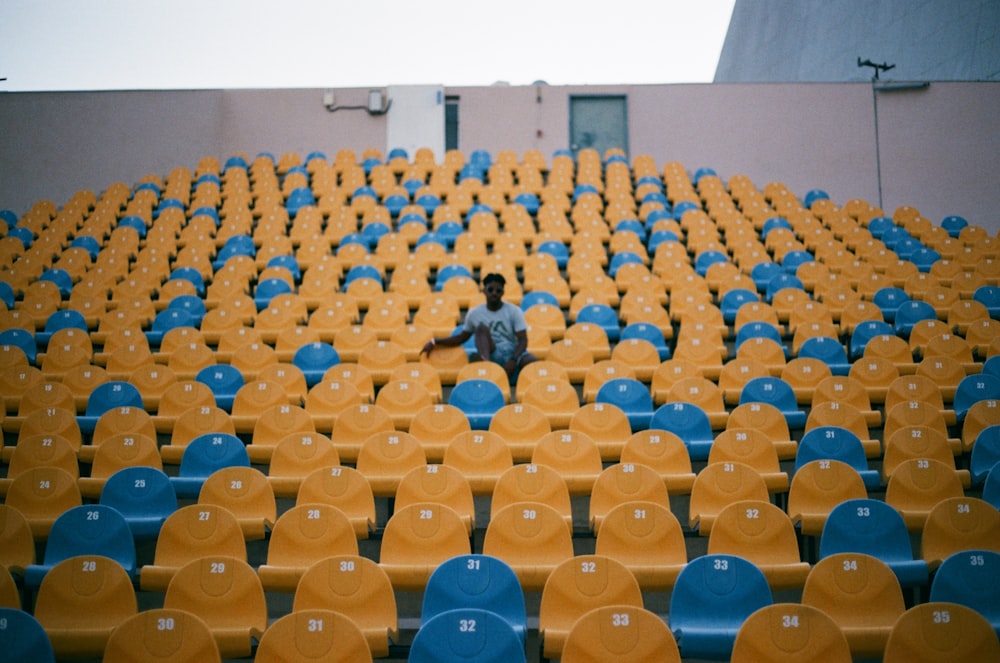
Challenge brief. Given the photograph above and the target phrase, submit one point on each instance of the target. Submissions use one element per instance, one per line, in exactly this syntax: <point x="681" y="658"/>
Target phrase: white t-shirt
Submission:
<point x="503" y="323"/>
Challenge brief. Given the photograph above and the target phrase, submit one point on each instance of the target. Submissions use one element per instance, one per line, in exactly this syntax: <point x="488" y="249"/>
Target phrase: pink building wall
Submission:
<point x="937" y="149"/>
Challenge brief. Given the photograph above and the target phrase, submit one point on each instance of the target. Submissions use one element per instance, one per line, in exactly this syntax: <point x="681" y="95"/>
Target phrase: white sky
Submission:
<point x="199" y="44"/>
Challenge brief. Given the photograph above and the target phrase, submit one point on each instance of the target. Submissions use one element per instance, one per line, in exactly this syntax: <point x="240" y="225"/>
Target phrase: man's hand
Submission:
<point x="428" y="346"/>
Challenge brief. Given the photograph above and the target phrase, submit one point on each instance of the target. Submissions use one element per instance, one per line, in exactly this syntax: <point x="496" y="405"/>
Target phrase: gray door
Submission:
<point x="599" y="122"/>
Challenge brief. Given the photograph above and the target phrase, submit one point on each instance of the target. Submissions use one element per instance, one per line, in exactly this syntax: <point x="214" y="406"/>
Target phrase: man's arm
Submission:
<point x="458" y="338"/>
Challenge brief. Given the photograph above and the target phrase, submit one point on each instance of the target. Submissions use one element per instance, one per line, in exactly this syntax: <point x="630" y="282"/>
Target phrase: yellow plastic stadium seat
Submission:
<point x="665" y="453"/>
<point x="647" y="538"/>
<point x="162" y="635"/>
<point x="226" y="593"/>
<point x="719" y="485"/>
<point x="296" y="456"/>
<point x="304" y="535"/>
<point x="616" y="631"/>
<point x="624" y="482"/>
<point x="345" y="488"/>
<point x="532" y="538"/>
<point x="762" y="533"/>
<point x="787" y="632"/>
<point x="192" y="532"/>
<point x="438" y="484"/>
<point x="435" y="426"/>
<point x="937" y="632"/>
<point x="314" y="635"/>
<point x="576" y="586"/>
<point x="81" y="601"/>
<point x="356" y="586"/>
<point x="419" y="537"/>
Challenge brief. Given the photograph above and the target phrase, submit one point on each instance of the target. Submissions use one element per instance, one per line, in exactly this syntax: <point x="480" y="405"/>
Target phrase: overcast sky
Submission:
<point x="200" y="44"/>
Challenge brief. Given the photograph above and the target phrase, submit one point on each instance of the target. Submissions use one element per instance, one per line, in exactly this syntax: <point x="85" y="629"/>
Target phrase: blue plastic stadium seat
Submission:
<point x="774" y="223"/>
<point x="224" y="381"/>
<point x="374" y="231"/>
<point x="688" y="422"/>
<point x="315" y="359"/>
<point x="991" y="487"/>
<point x="447" y="272"/>
<point x="89" y="529"/>
<point x="61" y="278"/>
<point x="879" y="226"/>
<point x="534" y="297"/>
<point x="889" y="299"/>
<point x="836" y="443"/>
<point x="782" y="282"/>
<point x="529" y="201"/>
<point x="658" y="237"/>
<point x="989" y="296"/>
<point x="467" y="634"/>
<point x="204" y="455"/>
<point x="58" y="320"/>
<point x="192" y="276"/>
<point x="647" y="332"/>
<point x="237" y="245"/>
<point x="144" y="496"/>
<point x="429" y="202"/>
<point x="288" y="262"/>
<point x="602" y="316"/>
<point x="874" y="528"/>
<point x="971" y="578"/>
<point x="865" y="332"/>
<point x="22" y="638"/>
<point x="362" y="271"/>
<point x="733" y="300"/>
<point x="165" y="321"/>
<point x="622" y="258"/>
<point x="557" y="250"/>
<point x="713" y="596"/>
<point x="954" y="224"/>
<point x="21" y="338"/>
<point x="910" y="313"/>
<point x="476" y="581"/>
<point x="268" y="289"/>
<point x="708" y="258"/>
<point x="759" y="329"/>
<point x="972" y="389"/>
<point x="985" y="453"/>
<point x="631" y="397"/>
<point x="924" y="258"/>
<point x="774" y="391"/>
<point x="108" y="396"/>
<point x="828" y="350"/>
<point x="812" y="196"/>
<point x="395" y="203"/>
<point x="479" y="400"/>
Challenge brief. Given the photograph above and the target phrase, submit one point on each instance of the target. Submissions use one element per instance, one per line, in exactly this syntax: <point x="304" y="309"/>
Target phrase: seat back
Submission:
<point x="875" y="528"/>
<point x="575" y="587"/>
<point x="345" y="488"/>
<point x="959" y="523"/>
<point x="719" y="485"/>
<point x="762" y="533"/>
<point x="42" y="494"/>
<point x="647" y="538"/>
<point x="817" y="487"/>
<point x="481" y="457"/>
<point x="625" y="482"/>
<point x="790" y="632"/>
<point x="203" y="456"/>
<point x="304" y="535"/>
<point x="690" y="423"/>
<point x="22" y="638"/>
<point x="861" y="594"/>
<point x="144" y="495"/>
<point x="356" y="586"/>
<point x="17" y="546"/>
<point x="226" y="593"/>
<point x="476" y="581"/>
<point x="419" y="537"/>
<point x="711" y="599"/>
<point x="192" y="532"/>
<point x="532" y="538"/>
<point x="614" y="631"/>
<point x="88" y="529"/>
<point x="314" y="635"/>
<point x="81" y="601"/>
<point x="247" y="494"/>
<point x="466" y="634"/>
<point x="939" y="631"/>
<point x="970" y="578"/>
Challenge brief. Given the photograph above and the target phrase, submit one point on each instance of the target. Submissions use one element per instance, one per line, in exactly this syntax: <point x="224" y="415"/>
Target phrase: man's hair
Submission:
<point x="493" y="277"/>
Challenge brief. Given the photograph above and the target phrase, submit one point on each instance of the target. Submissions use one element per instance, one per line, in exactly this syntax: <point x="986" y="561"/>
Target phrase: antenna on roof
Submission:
<point x="876" y="66"/>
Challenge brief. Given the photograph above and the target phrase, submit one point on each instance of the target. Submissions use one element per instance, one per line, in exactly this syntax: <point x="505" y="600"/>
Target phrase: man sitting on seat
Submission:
<point x="501" y="334"/>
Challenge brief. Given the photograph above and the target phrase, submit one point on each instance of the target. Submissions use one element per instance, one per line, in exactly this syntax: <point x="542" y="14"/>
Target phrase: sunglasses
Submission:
<point x="494" y="289"/>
